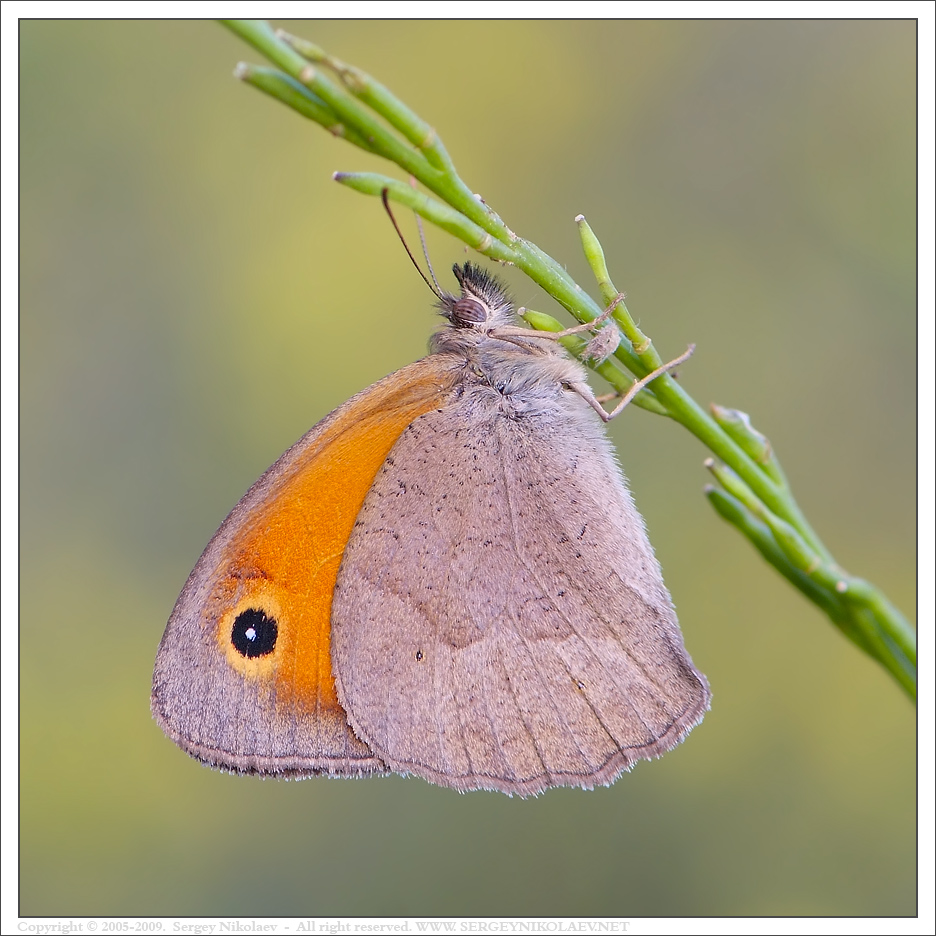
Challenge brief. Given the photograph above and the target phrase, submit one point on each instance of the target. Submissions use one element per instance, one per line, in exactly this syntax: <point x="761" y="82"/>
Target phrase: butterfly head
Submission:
<point x="483" y="303"/>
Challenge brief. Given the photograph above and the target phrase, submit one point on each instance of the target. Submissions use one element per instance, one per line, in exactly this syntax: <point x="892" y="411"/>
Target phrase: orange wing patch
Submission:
<point x="278" y="571"/>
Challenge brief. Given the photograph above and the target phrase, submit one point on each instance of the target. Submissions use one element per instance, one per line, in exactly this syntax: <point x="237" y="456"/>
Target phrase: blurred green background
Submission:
<point x="196" y="293"/>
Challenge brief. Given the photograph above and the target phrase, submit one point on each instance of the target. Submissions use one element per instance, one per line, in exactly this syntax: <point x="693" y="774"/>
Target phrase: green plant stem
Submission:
<point x="754" y="495"/>
<point x="576" y="346"/>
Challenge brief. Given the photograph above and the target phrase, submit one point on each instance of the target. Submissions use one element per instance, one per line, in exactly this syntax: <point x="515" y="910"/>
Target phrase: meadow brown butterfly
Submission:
<point x="445" y="577"/>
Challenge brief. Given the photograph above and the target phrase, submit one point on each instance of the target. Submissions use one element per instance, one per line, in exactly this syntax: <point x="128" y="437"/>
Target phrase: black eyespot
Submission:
<point x="419" y="655"/>
<point x="254" y="634"/>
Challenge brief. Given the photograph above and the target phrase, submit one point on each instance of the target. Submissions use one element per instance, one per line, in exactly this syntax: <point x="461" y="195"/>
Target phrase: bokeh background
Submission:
<point x="196" y="292"/>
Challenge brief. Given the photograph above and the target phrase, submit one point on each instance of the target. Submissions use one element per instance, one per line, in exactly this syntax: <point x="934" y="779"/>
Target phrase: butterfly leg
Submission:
<point x="584" y="391"/>
<point x="516" y="331"/>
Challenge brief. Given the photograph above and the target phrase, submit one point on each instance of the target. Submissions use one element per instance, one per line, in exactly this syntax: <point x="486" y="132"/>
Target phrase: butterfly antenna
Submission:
<point x="437" y="292"/>
<point x="422" y="240"/>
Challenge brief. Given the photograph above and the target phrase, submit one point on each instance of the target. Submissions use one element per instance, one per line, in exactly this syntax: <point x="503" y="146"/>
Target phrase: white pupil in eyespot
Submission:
<point x="250" y="633"/>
